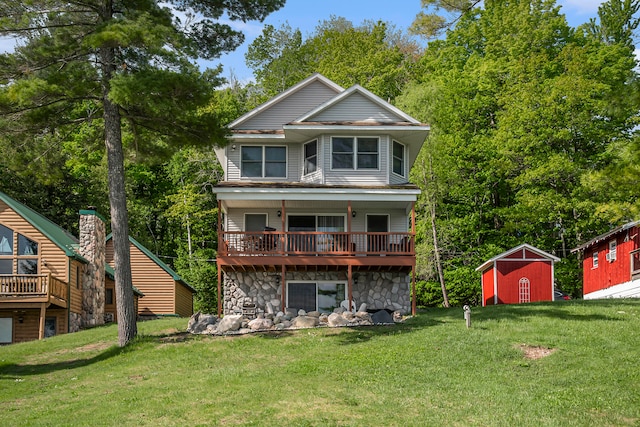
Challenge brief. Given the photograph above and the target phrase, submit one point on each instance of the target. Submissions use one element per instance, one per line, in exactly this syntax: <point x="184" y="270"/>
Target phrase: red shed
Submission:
<point x="611" y="263"/>
<point x="521" y="274"/>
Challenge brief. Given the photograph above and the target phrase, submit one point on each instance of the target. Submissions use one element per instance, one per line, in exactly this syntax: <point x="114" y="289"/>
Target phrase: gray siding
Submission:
<point x="290" y="108"/>
<point x="356" y="108"/>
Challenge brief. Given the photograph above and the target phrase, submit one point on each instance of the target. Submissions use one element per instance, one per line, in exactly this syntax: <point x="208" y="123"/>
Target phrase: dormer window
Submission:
<point x="354" y="153"/>
<point x="399" y="159"/>
<point x="310" y="157"/>
<point x="263" y="162"/>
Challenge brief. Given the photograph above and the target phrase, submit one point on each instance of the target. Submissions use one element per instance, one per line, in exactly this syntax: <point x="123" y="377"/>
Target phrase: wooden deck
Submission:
<point x="322" y="250"/>
<point x="26" y="289"/>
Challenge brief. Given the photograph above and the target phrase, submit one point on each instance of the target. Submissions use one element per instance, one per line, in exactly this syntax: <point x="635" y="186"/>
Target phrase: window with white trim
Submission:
<point x="594" y="257"/>
<point x="399" y="159"/>
<point x="310" y="157"/>
<point x="354" y="153"/>
<point x="263" y="161"/>
<point x="613" y="250"/>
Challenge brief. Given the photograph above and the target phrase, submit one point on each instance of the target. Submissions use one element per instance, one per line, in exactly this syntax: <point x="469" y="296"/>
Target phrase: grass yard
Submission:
<point x="574" y="363"/>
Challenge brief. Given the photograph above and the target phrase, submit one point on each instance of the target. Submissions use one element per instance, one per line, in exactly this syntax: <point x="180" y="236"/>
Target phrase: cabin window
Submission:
<point x="49" y="327"/>
<point x="595" y="259"/>
<point x="613" y="250"/>
<point x="6" y="241"/>
<point x="108" y="296"/>
<point x="354" y="153"/>
<point x="263" y="162"/>
<point x="6" y="330"/>
<point x="524" y="290"/>
<point x="398" y="159"/>
<point x="311" y="296"/>
<point x="310" y="157"/>
<point x="27" y="255"/>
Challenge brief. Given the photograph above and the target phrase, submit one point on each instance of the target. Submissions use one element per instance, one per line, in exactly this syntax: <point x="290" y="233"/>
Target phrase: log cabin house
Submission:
<point x="315" y="208"/>
<point x="51" y="282"/>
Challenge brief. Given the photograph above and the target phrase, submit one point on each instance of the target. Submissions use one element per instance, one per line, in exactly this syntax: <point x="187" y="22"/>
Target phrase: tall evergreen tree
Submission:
<point x="123" y="63"/>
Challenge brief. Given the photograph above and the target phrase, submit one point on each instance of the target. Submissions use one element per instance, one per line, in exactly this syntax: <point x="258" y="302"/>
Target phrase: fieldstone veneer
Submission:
<point x="92" y="248"/>
<point x="379" y="290"/>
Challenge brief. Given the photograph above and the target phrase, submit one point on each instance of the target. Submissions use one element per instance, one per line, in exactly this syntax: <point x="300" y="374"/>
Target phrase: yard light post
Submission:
<point x="467" y="315"/>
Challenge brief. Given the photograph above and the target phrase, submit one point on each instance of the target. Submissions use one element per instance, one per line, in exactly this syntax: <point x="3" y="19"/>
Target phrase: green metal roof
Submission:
<point x="158" y="261"/>
<point x="58" y="235"/>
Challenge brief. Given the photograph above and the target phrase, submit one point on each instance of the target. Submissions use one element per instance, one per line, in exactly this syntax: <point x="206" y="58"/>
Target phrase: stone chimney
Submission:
<point x="92" y="248"/>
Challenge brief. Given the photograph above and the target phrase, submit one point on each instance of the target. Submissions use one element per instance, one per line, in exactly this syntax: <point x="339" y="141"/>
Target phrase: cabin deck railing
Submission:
<point x="318" y="243"/>
<point x="635" y="264"/>
<point x="32" y="285"/>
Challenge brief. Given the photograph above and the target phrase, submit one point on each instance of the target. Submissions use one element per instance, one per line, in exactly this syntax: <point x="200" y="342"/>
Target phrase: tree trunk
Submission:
<point x="127" y="327"/>
<point x="436" y="250"/>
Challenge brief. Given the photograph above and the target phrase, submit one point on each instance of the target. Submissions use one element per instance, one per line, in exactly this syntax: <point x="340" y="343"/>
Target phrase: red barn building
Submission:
<point x="611" y="263"/>
<point x="522" y="274"/>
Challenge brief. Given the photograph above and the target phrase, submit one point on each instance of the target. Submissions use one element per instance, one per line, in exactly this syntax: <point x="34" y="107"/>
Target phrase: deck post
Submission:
<point x="43" y="313"/>
<point x="220" y="296"/>
<point x="350" y="285"/>
<point x="283" y="271"/>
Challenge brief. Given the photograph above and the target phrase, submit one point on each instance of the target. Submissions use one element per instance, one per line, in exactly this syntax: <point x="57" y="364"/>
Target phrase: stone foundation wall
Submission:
<point x="379" y="290"/>
<point x="75" y="322"/>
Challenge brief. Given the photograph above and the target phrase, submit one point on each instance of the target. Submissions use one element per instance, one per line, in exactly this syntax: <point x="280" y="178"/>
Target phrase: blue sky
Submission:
<point x="306" y="14"/>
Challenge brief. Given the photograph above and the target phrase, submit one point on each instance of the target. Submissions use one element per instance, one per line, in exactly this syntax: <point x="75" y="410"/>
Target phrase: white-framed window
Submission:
<point x="349" y="152"/>
<point x="524" y="290"/>
<point x="315" y="296"/>
<point x="594" y="257"/>
<point x="399" y="152"/>
<point x="310" y="157"/>
<point x="257" y="161"/>
<point x="613" y="250"/>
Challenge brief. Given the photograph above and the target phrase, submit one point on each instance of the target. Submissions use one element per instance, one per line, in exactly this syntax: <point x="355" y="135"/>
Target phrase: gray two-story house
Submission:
<point x="315" y="209"/>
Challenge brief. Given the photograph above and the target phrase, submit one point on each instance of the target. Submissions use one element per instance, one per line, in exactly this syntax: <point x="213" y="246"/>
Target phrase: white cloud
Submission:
<point x="580" y="7"/>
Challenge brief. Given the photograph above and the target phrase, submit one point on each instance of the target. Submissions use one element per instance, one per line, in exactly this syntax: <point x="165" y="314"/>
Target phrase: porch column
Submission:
<point x="283" y="271"/>
<point x="43" y="313"/>
<point x="349" y="236"/>
<point x="283" y="217"/>
<point x="413" y="266"/>
<point x="350" y="285"/>
<point x="221" y="245"/>
<point x="220" y="296"/>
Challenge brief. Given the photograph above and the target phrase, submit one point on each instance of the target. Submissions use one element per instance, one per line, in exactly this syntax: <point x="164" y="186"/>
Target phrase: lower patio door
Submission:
<point x="316" y="296"/>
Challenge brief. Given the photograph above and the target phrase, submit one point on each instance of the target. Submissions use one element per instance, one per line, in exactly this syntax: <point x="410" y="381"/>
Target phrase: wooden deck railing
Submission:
<point x="635" y="264"/>
<point x="272" y="243"/>
<point x="32" y="285"/>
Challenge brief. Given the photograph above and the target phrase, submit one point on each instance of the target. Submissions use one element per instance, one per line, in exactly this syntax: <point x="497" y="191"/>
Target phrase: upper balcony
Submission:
<point x="22" y="289"/>
<point x="318" y="249"/>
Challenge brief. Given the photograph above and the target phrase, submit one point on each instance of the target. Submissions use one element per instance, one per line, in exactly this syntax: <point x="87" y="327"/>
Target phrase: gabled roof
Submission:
<point x="157" y="260"/>
<point x="56" y="234"/>
<point x="278" y="98"/>
<point x="364" y="92"/>
<point x="526" y="246"/>
<point x="606" y="235"/>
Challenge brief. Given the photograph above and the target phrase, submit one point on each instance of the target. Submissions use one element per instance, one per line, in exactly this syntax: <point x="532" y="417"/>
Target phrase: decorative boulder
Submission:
<point x="304" y="322"/>
<point x="260" y="324"/>
<point x="199" y="322"/>
<point x="230" y="322"/>
<point x="363" y="308"/>
<point x="381" y="316"/>
<point x="336" y="320"/>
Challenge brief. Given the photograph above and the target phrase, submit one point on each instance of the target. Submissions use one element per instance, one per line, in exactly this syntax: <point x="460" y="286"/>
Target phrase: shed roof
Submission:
<point x="505" y="254"/>
<point x="606" y="235"/>
<point x="56" y="234"/>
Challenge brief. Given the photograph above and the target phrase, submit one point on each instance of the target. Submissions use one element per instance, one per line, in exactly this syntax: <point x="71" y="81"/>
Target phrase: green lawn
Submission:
<point x="431" y="370"/>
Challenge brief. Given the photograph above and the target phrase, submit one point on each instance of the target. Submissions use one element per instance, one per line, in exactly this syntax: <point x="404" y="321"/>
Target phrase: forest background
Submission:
<point x="534" y="138"/>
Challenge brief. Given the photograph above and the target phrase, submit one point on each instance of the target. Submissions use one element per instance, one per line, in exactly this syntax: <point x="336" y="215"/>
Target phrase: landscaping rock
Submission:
<point x="260" y="324"/>
<point x="381" y="317"/>
<point x="363" y="308"/>
<point x="304" y="322"/>
<point x="199" y="322"/>
<point x="335" y="320"/>
<point x="231" y="322"/>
